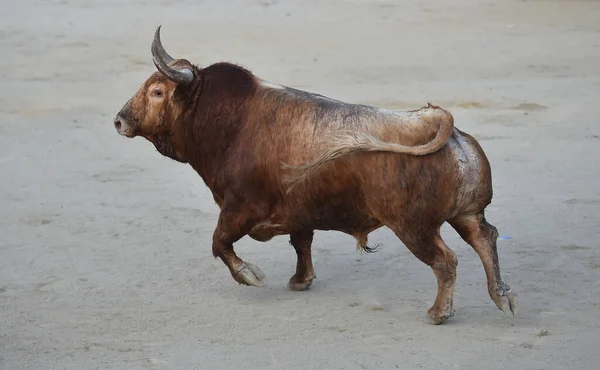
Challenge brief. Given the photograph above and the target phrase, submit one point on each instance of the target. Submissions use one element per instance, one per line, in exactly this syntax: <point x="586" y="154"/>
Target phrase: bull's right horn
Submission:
<point x="162" y="60"/>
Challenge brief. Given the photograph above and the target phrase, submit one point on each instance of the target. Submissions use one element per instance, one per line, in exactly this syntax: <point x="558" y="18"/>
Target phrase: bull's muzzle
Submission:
<point x="123" y="126"/>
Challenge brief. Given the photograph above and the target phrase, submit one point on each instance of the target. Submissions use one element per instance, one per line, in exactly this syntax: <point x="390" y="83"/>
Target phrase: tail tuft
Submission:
<point x="366" y="248"/>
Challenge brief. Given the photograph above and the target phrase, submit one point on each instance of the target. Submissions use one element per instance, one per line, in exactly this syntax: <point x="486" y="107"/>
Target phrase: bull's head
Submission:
<point x="157" y="105"/>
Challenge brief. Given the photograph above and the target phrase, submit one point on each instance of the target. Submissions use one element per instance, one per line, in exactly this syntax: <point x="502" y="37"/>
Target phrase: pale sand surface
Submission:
<point x="105" y="257"/>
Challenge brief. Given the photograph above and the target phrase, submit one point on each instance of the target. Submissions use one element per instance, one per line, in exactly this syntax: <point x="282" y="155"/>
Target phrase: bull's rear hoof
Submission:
<point x="507" y="303"/>
<point x="250" y="274"/>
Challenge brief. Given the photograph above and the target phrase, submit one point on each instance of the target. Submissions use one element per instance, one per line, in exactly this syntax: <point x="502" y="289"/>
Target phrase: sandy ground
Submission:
<point x="105" y="257"/>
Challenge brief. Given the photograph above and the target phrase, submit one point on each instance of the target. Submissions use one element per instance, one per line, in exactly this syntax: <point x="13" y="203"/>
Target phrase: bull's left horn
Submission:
<point x="162" y="60"/>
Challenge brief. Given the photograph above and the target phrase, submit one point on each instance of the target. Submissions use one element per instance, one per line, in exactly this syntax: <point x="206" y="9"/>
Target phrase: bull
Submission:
<point x="281" y="161"/>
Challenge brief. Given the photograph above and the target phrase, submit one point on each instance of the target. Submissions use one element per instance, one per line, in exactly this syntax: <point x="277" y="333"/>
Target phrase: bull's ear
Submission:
<point x="163" y="62"/>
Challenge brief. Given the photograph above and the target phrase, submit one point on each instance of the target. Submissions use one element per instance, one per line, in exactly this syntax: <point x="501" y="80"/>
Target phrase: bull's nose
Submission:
<point x="118" y="123"/>
<point x="123" y="126"/>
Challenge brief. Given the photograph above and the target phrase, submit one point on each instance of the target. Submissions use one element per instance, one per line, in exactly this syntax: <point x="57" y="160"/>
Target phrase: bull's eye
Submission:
<point x="157" y="92"/>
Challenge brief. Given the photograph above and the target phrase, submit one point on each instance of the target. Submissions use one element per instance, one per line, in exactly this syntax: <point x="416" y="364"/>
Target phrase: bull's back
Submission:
<point x="302" y="122"/>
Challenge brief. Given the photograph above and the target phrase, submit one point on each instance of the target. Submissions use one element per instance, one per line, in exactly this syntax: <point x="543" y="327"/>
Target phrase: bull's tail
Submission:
<point x="351" y="142"/>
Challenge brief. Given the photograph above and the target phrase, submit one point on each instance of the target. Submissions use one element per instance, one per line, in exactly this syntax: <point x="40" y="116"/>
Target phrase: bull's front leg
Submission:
<point x="231" y="228"/>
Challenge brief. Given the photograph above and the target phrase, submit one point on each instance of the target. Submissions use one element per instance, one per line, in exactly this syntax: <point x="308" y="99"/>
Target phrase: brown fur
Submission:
<point x="235" y="132"/>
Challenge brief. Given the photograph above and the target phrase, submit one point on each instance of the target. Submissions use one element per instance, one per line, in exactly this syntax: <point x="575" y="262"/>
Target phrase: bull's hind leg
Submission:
<point x="482" y="236"/>
<point x="433" y="251"/>
<point x="305" y="274"/>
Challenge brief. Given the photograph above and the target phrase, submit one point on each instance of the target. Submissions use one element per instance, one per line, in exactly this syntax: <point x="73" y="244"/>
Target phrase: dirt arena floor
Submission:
<point x="105" y="245"/>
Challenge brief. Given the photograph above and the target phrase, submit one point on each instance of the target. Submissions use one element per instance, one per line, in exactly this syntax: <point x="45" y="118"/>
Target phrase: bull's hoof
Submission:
<point x="435" y="318"/>
<point x="250" y="274"/>
<point x="506" y="302"/>
<point x="299" y="286"/>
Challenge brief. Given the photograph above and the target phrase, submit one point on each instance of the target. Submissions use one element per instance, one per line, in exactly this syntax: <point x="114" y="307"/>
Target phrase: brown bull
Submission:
<point x="281" y="161"/>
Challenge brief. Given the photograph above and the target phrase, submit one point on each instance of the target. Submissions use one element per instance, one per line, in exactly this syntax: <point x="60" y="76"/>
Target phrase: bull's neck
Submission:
<point x="207" y="153"/>
<point x="170" y="145"/>
<point x="218" y="112"/>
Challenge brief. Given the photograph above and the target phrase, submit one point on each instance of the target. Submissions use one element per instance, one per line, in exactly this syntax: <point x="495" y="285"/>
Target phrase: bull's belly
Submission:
<point x="350" y="222"/>
<point x="265" y="231"/>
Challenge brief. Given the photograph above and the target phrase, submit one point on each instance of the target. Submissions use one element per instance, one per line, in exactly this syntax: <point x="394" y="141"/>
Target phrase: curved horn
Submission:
<point x="158" y="48"/>
<point x="162" y="61"/>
